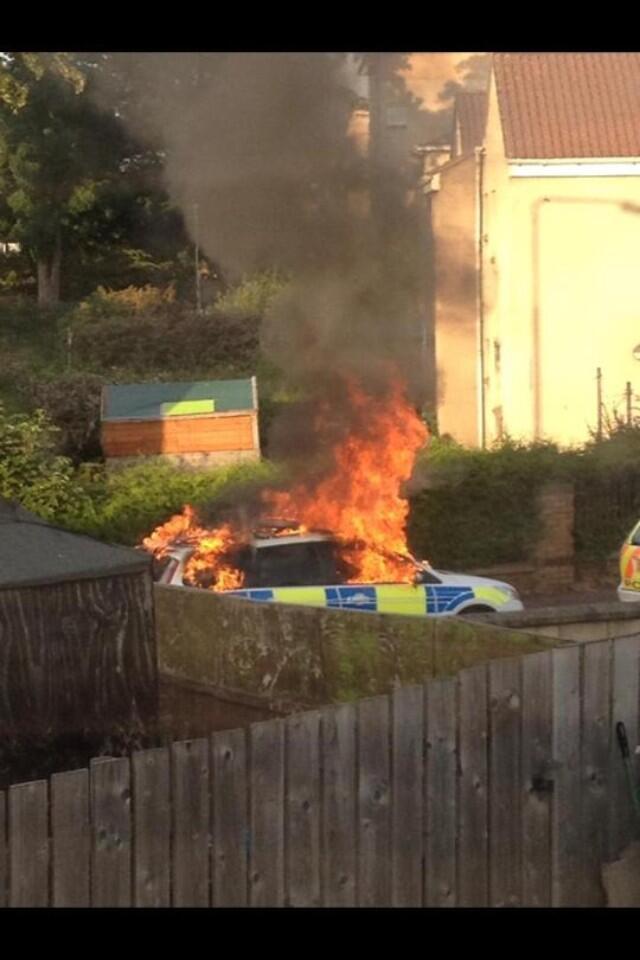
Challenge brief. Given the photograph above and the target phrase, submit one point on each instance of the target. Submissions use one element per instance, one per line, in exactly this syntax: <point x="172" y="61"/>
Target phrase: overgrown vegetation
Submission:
<point x="479" y="507"/>
<point x="473" y="508"/>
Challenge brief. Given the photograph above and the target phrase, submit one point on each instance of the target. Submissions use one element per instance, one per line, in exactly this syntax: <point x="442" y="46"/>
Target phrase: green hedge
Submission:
<point x="479" y="507"/>
<point x="468" y="508"/>
<point x="124" y="506"/>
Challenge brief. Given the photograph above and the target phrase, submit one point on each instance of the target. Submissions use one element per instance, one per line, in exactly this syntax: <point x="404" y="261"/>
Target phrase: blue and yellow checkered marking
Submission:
<point x="402" y="598"/>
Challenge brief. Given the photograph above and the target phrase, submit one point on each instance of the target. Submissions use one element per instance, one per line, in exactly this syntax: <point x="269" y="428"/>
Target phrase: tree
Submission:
<point x="71" y="177"/>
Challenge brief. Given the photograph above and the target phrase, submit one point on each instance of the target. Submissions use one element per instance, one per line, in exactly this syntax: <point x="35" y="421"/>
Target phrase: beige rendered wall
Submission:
<point x="578" y="260"/>
<point x="561" y="270"/>
<point x="456" y="346"/>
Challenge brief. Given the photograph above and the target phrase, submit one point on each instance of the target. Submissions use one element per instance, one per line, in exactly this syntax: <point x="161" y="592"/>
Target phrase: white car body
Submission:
<point x="442" y="593"/>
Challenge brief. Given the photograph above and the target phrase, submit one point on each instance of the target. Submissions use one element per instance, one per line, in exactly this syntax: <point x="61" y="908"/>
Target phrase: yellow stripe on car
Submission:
<point x="401" y="598"/>
<point x="308" y="596"/>
<point x="491" y="595"/>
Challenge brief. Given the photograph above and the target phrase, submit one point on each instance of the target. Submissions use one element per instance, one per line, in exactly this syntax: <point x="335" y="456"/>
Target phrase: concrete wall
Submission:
<point x="199" y="461"/>
<point x="192" y="709"/>
<point x="301" y="656"/>
<point x="573" y="624"/>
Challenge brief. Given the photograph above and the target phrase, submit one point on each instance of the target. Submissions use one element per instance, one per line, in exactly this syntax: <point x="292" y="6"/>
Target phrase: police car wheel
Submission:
<point x="476" y="608"/>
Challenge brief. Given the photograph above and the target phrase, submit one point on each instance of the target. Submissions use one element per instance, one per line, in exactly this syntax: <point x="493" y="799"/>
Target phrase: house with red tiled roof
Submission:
<point x="536" y="225"/>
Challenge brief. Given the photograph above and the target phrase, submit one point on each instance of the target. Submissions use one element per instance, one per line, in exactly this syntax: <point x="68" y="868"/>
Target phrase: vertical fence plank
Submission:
<point x="266" y="854"/>
<point x="71" y="839"/>
<point x="191" y="817"/>
<point x="29" y="845"/>
<point x="111" y="842"/>
<point x="152" y="828"/>
<point x="4" y="858"/>
<point x="473" y="830"/>
<point x="440" y="796"/>
<point x="338" y="725"/>
<point x="505" y="696"/>
<point x="622" y="824"/>
<point x="302" y="816"/>
<point x="596" y="726"/>
<point x="230" y="818"/>
<point x="567" y="852"/>
<point x="537" y="784"/>
<point x="374" y="774"/>
<point x="407" y="796"/>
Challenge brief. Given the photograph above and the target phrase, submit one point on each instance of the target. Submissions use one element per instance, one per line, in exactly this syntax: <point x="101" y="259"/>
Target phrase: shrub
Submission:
<point x="72" y="402"/>
<point x="131" y="301"/>
<point x="166" y="344"/>
<point x="252" y="295"/>
<point x="607" y="485"/>
<point x="30" y="470"/>
<point x="123" y="506"/>
<point x="479" y="507"/>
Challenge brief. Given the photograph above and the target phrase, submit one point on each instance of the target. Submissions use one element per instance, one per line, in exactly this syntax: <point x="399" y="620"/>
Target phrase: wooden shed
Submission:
<point x="205" y="423"/>
<point x="77" y="635"/>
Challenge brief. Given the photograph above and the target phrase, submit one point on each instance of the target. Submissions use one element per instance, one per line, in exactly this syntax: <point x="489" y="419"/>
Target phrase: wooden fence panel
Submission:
<point x="505" y="791"/>
<point x="71" y="839"/>
<point x="567" y="850"/>
<point x="338" y="726"/>
<point x="502" y="786"/>
<point x="407" y="791"/>
<point x="230" y="818"/>
<point x="622" y="824"/>
<point x="374" y="775"/>
<point x="536" y="779"/>
<point x="302" y="814"/>
<point x="596" y="744"/>
<point x="266" y="851"/>
<point x="152" y="828"/>
<point x="29" y="845"/>
<point x="473" y="867"/>
<point x="111" y="834"/>
<point x="440" y="804"/>
<point x="4" y="856"/>
<point x="191" y="823"/>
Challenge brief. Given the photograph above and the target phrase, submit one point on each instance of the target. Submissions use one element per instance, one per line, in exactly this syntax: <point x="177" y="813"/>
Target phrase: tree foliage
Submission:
<point x="30" y="470"/>
<point x="74" y="185"/>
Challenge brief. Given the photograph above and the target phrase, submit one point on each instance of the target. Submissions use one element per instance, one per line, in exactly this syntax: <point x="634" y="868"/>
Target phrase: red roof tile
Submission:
<point x="569" y="104"/>
<point x="471" y="117"/>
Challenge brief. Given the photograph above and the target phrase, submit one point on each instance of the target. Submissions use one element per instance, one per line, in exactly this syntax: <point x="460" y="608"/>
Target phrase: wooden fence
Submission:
<point x="500" y="786"/>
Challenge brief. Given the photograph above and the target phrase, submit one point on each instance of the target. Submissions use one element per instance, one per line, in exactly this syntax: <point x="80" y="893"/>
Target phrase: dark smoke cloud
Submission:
<point x="260" y="143"/>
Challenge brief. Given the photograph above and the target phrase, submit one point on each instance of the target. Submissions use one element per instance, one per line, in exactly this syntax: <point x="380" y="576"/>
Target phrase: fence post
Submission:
<point x="554" y="552"/>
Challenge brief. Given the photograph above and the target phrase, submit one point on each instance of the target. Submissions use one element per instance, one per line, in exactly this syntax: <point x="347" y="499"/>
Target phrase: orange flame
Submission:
<point x="360" y="501"/>
<point x="209" y="559"/>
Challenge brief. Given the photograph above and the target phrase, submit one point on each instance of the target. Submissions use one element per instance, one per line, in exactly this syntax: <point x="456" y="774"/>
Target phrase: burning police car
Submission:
<point x="279" y="564"/>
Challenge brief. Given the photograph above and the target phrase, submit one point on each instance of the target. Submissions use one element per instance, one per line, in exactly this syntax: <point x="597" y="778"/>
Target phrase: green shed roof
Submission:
<point x="156" y="401"/>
